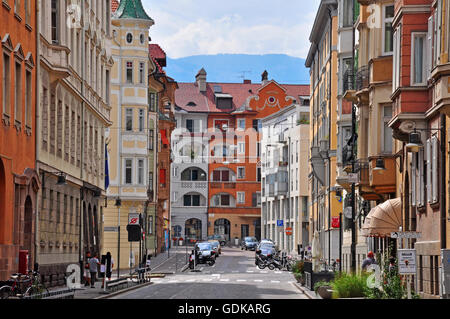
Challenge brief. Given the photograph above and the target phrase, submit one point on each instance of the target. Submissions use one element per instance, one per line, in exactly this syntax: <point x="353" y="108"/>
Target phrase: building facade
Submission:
<point x="74" y="113"/>
<point x="285" y="141"/>
<point x="128" y="139"/>
<point x="324" y="192"/>
<point x="19" y="182"/>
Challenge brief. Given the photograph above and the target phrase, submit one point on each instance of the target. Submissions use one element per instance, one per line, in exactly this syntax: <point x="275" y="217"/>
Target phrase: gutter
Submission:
<point x="329" y="137"/>
<point x="443" y="205"/>
<point x="36" y="125"/>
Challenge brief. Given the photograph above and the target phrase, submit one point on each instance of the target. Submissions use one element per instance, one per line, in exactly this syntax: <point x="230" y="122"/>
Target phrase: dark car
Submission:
<point x="264" y="251"/>
<point x="221" y="238"/>
<point x="204" y="253"/>
<point x="249" y="243"/>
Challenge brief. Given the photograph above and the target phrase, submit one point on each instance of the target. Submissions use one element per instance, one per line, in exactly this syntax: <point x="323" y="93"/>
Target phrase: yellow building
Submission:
<point x="128" y="138"/>
<point x="322" y="60"/>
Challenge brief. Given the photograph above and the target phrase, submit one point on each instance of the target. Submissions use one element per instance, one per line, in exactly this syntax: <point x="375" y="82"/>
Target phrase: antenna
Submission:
<point x="243" y="74"/>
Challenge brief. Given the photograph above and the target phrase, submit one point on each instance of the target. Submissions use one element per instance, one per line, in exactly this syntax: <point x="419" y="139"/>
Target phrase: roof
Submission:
<point x="131" y="9"/>
<point x="114" y="5"/>
<point x="156" y="51"/>
<point x="188" y="93"/>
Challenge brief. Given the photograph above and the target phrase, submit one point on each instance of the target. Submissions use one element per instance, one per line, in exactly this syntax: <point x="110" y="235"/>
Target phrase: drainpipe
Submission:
<point x="443" y="205"/>
<point x="37" y="126"/>
<point x="329" y="139"/>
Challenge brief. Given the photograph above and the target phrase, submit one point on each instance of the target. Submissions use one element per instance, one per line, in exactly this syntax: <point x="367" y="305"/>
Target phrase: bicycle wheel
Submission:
<point x="38" y="291"/>
<point x="5" y="292"/>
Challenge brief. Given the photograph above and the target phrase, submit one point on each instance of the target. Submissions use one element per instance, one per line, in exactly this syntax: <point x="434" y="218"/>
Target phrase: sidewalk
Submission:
<point x="164" y="264"/>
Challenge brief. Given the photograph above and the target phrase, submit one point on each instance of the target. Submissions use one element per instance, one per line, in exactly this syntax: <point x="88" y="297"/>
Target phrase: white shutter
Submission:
<point x="197" y="126"/>
<point x="435" y="169"/>
<point x="429" y="171"/>
<point x="438" y="27"/>
<point x="413" y="180"/>
<point x="429" y="47"/>
<point x="422" y="181"/>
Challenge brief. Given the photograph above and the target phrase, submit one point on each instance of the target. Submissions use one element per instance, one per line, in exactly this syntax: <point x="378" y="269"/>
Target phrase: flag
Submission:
<point x="106" y="168"/>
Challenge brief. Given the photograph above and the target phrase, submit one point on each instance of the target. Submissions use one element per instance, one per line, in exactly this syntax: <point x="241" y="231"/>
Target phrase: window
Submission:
<point x="418" y="58"/>
<point x="142" y="38"/>
<point x="129" y="120"/>
<point x="241" y="148"/>
<point x="142" y="73"/>
<point x="150" y="225"/>
<point x="18" y="93"/>
<point x="128" y="171"/>
<point x="150" y="180"/>
<point x="141" y="120"/>
<point x="129" y="37"/>
<point x="153" y="102"/>
<point x="107" y="86"/>
<point x="221" y="176"/>
<point x="191" y="200"/>
<point x="347" y="18"/>
<point x="258" y="174"/>
<point x="257" y="125"/>
<point x="151" y="139"/>
<point x="6" y="83"/>
<point x="162" y="178"/>
<point x="129" y="72"/>
<point x="388" y="17"/>
<point x="258" y="149"/>
<point x="55" y="21"/>
<point x="141" y="172"/>
<point x="387" y="131"/>
<point x="241" y="124"/>
<point x="241" y="173"/>
<point x="224" y="200"/>
<point x="241" y="197"/>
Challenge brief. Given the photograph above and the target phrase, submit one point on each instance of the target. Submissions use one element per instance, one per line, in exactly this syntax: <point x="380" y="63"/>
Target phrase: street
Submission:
<point x="234" y="276"/>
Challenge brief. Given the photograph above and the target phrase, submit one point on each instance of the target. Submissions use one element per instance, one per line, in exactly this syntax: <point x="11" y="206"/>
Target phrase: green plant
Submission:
<point x="321" y="283"/>
<point x="298" y="276"/>
<point x="299" y="267"/>
<point x="349" y="285"/>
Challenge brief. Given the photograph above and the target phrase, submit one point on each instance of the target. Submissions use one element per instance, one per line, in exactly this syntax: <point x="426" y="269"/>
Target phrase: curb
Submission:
<point x="305" y="292"/>
<point x="124" y="290"/>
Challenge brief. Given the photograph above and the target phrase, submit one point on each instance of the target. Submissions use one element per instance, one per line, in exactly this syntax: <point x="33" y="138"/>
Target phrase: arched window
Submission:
<point x="193" y="174"/>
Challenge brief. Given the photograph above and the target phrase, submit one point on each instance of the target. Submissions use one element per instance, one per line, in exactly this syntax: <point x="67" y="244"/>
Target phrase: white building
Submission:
<point x="285" y="146"/>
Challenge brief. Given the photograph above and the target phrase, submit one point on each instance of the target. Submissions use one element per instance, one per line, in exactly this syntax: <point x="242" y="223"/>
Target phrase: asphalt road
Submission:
<point x="234" y="276"/>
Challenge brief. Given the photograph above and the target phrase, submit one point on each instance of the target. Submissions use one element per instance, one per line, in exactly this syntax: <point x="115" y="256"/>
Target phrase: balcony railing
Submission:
<point x="362" y="167"/>
<point x="194" y="185"/>
<point x="362" y="78"/>
<point x="224" y="185"/>
<point x="349" y="81"/>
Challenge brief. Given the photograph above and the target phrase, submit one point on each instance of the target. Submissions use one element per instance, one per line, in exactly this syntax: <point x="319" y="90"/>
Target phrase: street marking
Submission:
<point x="225" y="280"/>
<point x="172" y="281"/>
<point x="275" y="281"/>
<point x="250" y="271"/>
<point x="207" y="279"/>
<point x="278" y="272"/>
<point x="263" y="272"/>
<point x="190" y="280"/>
<point x="241" y="280"/>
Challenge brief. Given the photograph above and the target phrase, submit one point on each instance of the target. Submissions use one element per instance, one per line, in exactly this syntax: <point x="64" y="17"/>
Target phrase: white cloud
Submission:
<point x="192" y="27"/>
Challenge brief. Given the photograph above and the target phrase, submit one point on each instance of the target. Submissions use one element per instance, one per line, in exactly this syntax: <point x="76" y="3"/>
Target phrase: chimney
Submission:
<point x="265" y="77"/>
<point x="247" y="81"/>
<point x="200" y="80"/>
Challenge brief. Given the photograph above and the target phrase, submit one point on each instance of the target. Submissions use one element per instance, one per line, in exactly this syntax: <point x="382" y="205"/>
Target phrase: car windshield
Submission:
<point x="250" y="239"/>
<point x="205" y="246"/>
<point x="266" y="246"/>
<point x="215" y="243"/>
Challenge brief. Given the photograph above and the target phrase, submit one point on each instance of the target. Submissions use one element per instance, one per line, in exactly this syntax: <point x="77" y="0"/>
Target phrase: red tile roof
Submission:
<point x="158" y="66"/>
<point x="188" y="93"/>
<point x="114" y="5"/>
<point x="156" y="51"/>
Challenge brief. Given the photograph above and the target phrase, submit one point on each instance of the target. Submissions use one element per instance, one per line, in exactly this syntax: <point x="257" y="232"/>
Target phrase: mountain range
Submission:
<point x="234" y="68"/>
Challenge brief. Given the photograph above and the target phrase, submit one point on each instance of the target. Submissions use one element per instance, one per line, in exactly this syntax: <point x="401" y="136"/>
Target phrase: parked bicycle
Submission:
<point x="20" y="286"/>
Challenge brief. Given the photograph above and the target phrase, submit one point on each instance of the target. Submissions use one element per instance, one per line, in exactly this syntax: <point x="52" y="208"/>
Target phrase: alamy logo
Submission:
<point x="374" y="280"/>
<point x="73" y="16"/>
<point x="374" y="19"/>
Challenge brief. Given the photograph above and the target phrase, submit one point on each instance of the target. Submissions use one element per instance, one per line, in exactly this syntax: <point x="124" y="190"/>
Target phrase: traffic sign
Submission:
<point x="133" y="219"/>
<point x="406" y="261"/>
<point x="406" y="235"/>
<point x="280" y="223"/>
<point x="289" y="231"/>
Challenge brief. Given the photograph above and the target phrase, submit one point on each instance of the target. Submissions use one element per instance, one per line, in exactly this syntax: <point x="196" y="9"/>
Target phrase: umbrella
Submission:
<point x="316" y="251"/>
<point x="383" y="219"/>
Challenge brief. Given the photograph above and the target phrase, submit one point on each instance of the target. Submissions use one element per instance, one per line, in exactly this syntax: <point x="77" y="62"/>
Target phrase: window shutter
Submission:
<point x="254" y="200"/>
<point x="429" y="46"/>
<point x="429" y="171"/>
<point x="422" y="180"/>
<point x="434" y="169"/>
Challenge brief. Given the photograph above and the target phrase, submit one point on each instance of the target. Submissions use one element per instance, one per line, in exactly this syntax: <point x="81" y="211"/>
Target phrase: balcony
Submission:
<point x="362" y="82"/>
<point x="383" y="181"/>
<point x="194" y="185"/>
<point x="56" y="59"/>
<point x="362" y="167"/>
<point x="349" y="86"/>
<point x="223" y="185"/>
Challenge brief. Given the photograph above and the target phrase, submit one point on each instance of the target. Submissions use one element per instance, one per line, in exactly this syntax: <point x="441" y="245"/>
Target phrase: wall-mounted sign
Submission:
<point x="406" y="261"/>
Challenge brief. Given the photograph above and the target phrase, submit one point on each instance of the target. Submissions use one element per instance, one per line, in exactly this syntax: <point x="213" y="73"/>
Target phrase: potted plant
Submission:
<point x="323" y="289"/>
<point x="350" y="286"/>
<point x="180" y="241"/>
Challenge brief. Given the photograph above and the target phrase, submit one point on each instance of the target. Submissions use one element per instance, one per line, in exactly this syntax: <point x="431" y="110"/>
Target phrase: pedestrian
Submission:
<point x="370" y="260"/>
<point x="93" y="268"/>
<point x="86" y="269"/>
<point x="148" y="262"/>
<point x="109" y="265"/>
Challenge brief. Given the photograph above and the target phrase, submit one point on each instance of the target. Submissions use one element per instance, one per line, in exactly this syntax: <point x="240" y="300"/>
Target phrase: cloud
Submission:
<point x="193" y="27"/>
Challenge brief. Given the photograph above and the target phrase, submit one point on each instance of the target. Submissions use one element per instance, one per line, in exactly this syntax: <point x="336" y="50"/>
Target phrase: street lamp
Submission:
<point x="415" y="142"/>
<point x="118" y="204"/>
<point x="380" y="166"/>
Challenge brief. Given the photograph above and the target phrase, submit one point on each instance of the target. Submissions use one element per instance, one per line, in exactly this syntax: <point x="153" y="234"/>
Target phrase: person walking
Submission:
<point x="109" y="265"/>
<point x="93" y="268"/>
<point x="370" y="260"/>
<point x="87" y="279"/>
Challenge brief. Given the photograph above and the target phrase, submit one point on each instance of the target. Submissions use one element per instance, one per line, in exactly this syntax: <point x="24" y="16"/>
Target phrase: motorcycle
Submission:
<point x="200" y="257"/>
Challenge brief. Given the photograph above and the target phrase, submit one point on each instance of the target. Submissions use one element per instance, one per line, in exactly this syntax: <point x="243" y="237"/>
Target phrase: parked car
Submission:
<point x="249" y="243"/>
<point x="221" y="238"/>
<point x="216" y="246"/>
<point x="204" y="254"/>
<point x="265" y="251"/>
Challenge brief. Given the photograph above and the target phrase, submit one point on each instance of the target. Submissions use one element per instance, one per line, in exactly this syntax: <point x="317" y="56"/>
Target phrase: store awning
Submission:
<point x="383" y="219"/>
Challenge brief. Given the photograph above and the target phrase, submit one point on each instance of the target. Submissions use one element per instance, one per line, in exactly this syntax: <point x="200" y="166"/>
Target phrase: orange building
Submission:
<point x="19" y="182"/>
<point x="234" y="113"/>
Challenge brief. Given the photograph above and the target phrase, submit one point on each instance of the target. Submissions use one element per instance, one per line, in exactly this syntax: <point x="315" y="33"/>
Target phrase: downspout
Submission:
<point x="37" y="126"/>
<point x="443" y="205"/>
<point x="329" y="137"/>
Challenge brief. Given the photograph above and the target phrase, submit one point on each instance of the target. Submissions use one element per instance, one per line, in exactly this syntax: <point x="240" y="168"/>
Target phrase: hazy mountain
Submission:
<point x="233" y="68"/>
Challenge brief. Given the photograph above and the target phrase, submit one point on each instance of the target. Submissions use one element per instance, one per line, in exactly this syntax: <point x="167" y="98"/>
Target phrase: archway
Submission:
<point x="193" y="230"/>
<point x="222" y="227"/>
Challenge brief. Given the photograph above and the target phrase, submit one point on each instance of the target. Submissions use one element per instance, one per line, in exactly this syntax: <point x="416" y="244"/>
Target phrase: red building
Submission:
<point x="234" y="112"/>
<point x="19" y="182"/>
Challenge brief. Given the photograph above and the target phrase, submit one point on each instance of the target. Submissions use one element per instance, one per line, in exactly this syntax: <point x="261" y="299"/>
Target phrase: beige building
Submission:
<point x="74" y="70"/>
<point x="129" y="138"/>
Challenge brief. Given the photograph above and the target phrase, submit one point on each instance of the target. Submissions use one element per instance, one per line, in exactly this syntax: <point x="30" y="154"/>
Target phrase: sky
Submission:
<point x="196" y="27"/>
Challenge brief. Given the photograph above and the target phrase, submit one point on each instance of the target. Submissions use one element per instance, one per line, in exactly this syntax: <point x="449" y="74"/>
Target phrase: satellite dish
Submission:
<point x="348" y="212"/>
